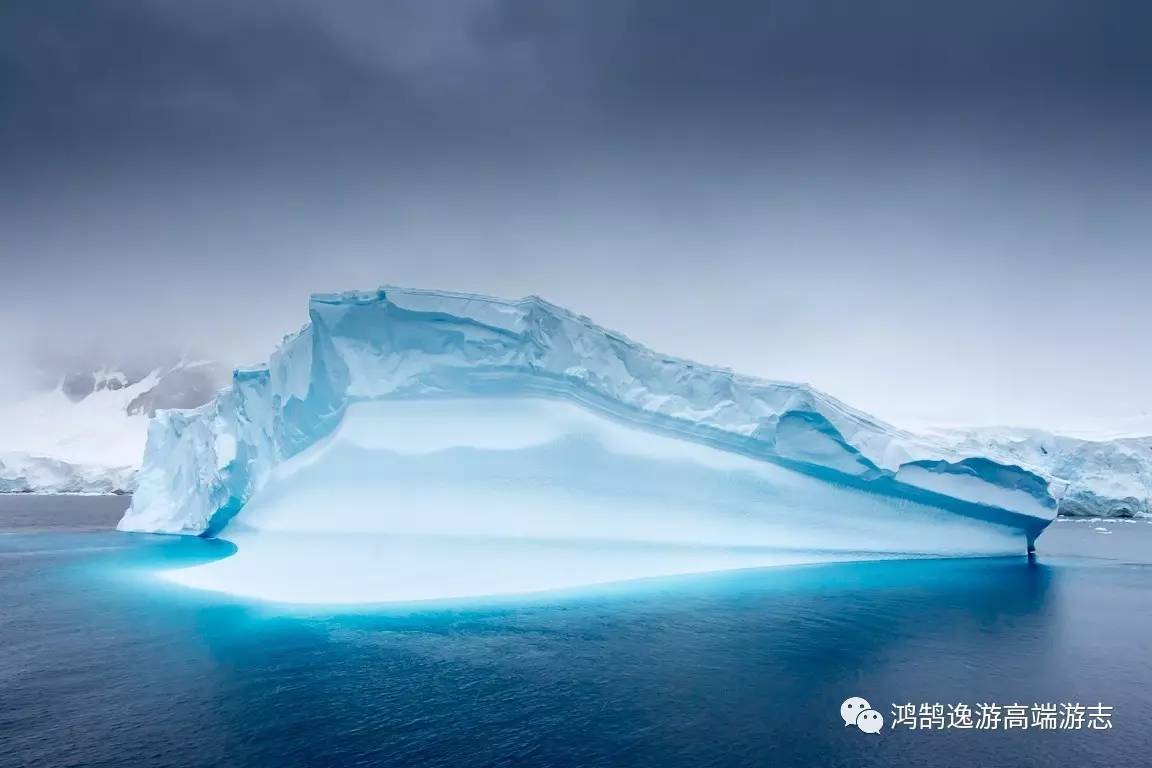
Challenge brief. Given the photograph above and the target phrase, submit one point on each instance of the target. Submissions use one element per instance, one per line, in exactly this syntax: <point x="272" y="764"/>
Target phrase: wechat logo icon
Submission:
<point x="858" y="712"/>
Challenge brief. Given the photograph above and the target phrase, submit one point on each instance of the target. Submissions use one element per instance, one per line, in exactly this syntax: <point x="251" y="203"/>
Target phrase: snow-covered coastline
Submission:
<point x="25" y="473"/>
<point x="86" y="435"/>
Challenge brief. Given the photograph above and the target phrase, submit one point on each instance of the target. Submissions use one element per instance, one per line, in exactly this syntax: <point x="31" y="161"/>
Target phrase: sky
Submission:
<point x="938" y="212"/>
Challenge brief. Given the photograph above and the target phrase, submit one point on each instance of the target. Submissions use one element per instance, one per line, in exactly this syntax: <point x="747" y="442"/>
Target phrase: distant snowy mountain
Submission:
<point x="87" y="434"/>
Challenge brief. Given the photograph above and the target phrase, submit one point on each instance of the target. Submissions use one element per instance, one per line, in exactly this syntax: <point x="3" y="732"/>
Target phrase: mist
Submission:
<point x="937" y="214"/>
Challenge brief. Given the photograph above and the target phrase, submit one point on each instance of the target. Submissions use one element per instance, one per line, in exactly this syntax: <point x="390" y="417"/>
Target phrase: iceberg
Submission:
<point x="409" y="445"/>
<point x="1107" y="478"/>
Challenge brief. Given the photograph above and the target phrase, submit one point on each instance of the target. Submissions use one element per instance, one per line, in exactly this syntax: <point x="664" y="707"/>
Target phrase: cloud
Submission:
<point x="453" y="48"/>
<point x="814" y="183"/>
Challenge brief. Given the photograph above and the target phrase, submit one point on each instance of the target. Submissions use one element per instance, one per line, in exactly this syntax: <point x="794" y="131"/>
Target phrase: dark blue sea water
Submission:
<point x="102" y="665"/>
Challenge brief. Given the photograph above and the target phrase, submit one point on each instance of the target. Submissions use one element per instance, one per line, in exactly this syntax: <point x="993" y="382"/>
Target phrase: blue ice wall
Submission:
<point x="202" y="467"/>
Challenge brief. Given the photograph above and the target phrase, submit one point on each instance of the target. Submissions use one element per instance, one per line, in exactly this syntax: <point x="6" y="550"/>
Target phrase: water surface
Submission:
<point x="103" y="664"/>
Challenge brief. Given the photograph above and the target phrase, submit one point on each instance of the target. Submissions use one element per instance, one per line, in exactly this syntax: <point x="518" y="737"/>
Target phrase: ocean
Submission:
<point x="103" y="664"/>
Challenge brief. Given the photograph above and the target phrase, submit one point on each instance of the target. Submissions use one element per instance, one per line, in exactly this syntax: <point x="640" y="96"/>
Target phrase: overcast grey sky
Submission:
<point x="935" y="211"/>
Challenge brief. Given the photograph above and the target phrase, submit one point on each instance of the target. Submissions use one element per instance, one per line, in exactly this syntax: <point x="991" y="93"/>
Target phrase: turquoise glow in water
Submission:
<point x="104" y="664"/>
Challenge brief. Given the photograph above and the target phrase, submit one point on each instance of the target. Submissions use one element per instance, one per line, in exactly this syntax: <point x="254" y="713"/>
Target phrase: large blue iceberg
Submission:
<point x="414" y="444"/>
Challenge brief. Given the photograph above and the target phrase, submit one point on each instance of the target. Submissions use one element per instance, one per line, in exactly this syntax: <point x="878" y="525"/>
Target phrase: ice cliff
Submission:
<point x="1103" y="478"/>
<point x="433" y="415"/>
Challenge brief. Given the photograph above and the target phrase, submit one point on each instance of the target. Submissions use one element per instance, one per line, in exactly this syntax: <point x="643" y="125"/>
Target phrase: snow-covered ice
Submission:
<point x="517" y="446"/>
<point x="439" y="498"/>
<point x="87" y="434"/>
<point x="22" y="473"/>
<point x="1102" y="477"/>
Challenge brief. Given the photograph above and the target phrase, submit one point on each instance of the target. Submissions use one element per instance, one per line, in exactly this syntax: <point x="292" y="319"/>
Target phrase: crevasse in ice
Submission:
<point x="466" y="425"/>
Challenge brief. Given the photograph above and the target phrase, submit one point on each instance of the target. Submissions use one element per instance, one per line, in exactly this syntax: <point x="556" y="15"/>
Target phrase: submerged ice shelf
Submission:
<point x="413" y="445"/>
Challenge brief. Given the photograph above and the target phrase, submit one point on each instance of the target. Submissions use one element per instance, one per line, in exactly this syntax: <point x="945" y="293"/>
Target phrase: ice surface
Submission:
<point x="1101" y="477"/>
<point x="343" y="568"/>
<point x="409" y="416"/>
<point x="413" y="500"/>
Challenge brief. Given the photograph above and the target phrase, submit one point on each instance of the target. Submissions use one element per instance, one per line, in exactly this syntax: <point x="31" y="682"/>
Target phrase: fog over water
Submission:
<point x="938" y="213"/>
